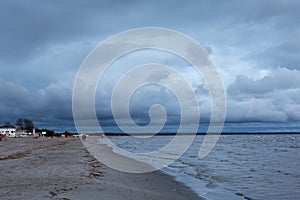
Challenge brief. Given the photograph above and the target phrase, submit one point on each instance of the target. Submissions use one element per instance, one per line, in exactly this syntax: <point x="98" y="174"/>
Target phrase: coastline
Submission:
<point x="61" y="168"/>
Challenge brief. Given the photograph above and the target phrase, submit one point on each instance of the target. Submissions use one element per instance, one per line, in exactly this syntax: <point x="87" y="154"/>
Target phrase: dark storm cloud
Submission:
<point x="29" y="28"/>
<point x="42" y="44"/>
<point x="46" y="106"/>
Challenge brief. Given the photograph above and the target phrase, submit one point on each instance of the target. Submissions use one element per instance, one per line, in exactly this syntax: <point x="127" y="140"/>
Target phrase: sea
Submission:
<point x="253" y="162"/>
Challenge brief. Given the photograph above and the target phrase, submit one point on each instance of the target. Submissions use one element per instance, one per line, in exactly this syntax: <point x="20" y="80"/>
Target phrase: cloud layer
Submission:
<point x="255" y="45"/>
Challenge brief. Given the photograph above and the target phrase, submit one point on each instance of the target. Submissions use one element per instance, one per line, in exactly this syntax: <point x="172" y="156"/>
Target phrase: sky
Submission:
<point x="255" y="45"/>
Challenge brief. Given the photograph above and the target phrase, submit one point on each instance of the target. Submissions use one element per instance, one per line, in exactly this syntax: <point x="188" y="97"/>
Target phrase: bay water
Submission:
<point x="240" y="166"/>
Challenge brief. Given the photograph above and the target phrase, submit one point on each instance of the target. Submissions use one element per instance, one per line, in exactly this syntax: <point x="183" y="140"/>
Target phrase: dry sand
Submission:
<point x="59" y="168"/>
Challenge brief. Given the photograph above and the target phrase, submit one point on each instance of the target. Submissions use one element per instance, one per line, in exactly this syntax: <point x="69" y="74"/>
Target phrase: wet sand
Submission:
<point x="59" y="168"/>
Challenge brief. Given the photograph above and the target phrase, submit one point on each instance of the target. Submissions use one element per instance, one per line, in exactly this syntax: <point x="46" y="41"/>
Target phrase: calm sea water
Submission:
<point x="239" y="167"/>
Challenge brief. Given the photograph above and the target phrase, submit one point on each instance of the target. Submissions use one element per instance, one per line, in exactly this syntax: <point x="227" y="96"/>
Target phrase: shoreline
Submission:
<point x="61" y="168"/>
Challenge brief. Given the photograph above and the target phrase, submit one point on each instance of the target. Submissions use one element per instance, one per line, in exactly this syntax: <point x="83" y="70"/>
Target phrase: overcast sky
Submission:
<point x="255" y="45"/>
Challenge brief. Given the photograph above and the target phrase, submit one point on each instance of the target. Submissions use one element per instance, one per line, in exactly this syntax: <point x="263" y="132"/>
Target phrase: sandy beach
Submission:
<point x="60" y="168"/>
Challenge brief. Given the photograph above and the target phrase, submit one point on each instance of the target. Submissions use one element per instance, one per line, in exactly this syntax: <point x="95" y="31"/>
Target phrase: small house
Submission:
<point x="9" y="131"/>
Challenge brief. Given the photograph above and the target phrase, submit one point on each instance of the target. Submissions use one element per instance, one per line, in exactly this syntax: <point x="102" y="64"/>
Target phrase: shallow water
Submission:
<point x="239" y="167"/>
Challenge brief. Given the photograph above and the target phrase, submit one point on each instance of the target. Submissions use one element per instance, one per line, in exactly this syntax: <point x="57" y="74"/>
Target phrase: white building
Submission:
<point x="8" y="131"/>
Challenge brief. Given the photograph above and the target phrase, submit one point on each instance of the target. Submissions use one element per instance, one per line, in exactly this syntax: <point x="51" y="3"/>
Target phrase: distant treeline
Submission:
<point x="202" y="133"/>
<point x="22" y="125"/>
